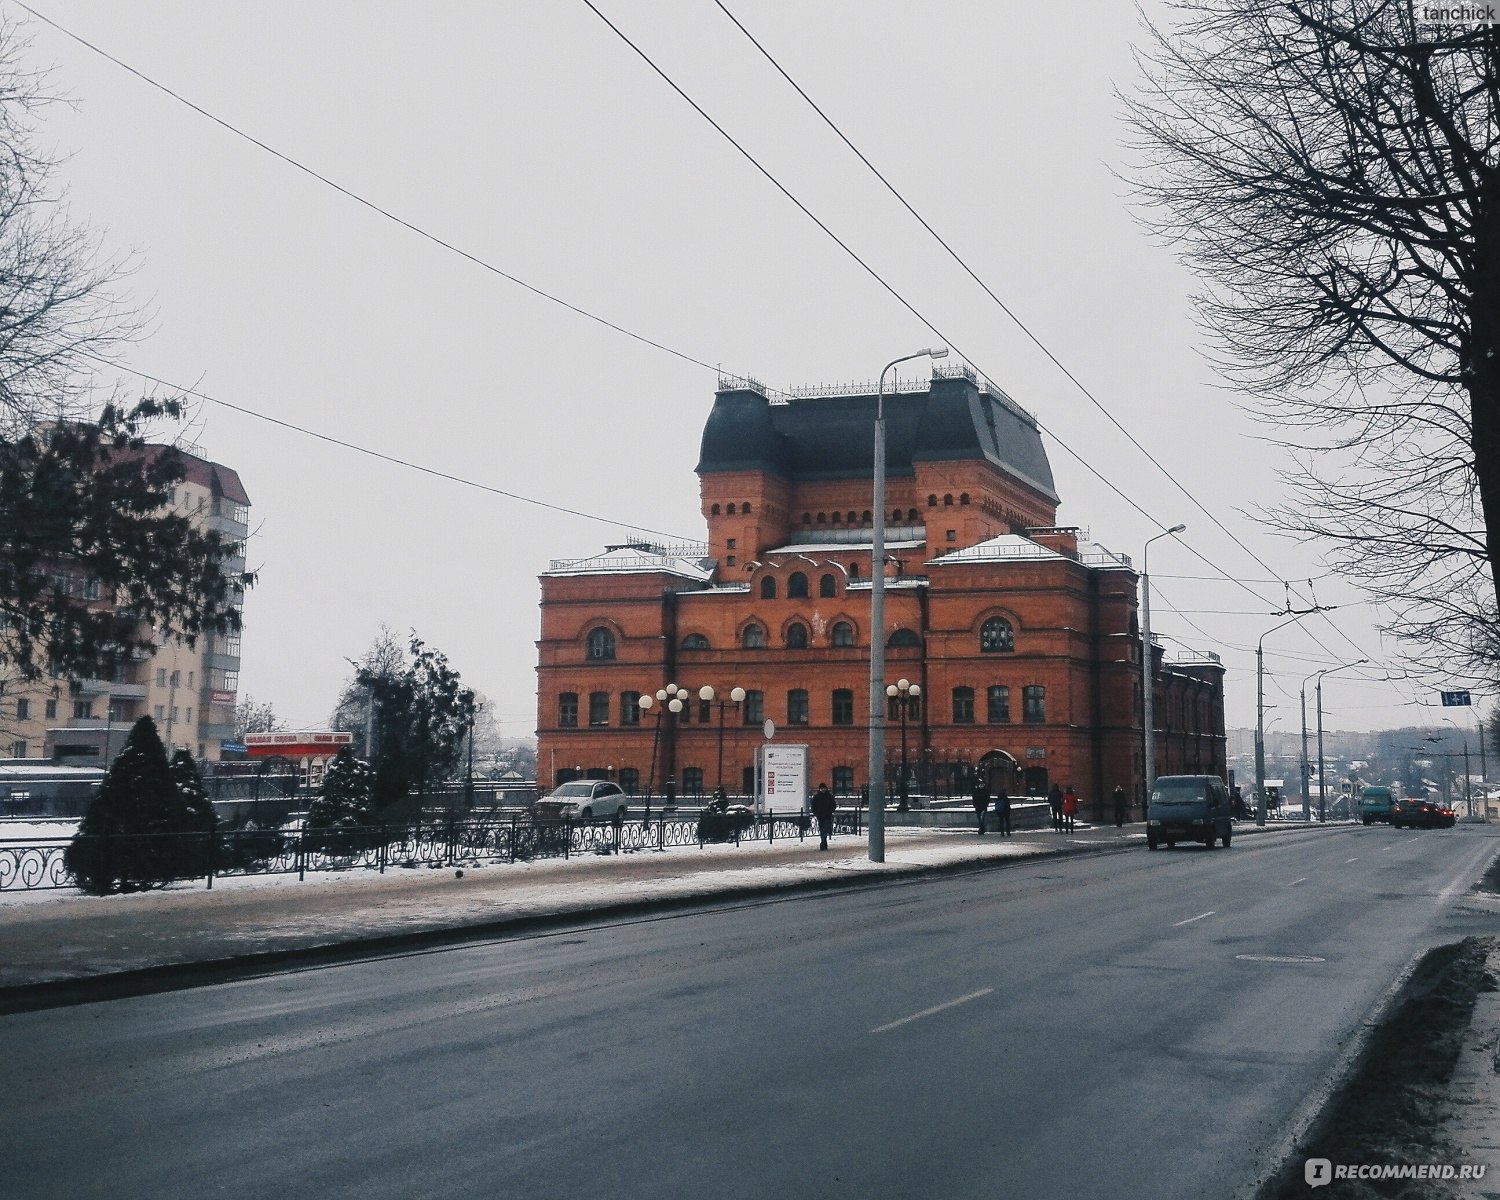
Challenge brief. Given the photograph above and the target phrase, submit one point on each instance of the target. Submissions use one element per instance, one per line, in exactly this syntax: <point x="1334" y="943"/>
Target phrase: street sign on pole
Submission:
<point x="1455" y="699"/>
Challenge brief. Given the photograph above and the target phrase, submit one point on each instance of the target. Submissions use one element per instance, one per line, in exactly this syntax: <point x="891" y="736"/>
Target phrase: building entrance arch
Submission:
<point x="999" y="769"/>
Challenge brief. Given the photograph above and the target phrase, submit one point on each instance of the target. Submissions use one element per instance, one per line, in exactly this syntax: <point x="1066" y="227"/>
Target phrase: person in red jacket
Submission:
<point x="1070" y="807"/>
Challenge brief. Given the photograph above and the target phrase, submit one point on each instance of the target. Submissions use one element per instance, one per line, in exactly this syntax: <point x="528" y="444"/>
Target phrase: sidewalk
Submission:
<point x="63" y="947"/>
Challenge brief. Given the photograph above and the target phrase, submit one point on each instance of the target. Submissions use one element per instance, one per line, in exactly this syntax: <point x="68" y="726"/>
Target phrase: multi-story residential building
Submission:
<point x="1020" y="635"/>
<point x="190" y="691"/>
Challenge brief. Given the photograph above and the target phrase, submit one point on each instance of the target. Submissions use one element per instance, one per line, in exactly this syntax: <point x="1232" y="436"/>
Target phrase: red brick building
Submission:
<point x="1022" y="639"/>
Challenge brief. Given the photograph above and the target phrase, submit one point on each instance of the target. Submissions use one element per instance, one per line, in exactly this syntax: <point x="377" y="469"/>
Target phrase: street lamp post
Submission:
<point x="1260" y="718"/>
<point x="1307" y="765"/>
<point x="900" y="691"/>
<point x="736" y="697"/>
<point x="1322" y="785"/>
<point x="667" y="700"/>
<point x="1148" y="686"/>
<point x="875" y="766"/>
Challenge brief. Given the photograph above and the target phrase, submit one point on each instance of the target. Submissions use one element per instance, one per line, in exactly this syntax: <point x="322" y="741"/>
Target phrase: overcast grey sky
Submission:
<point x="529" y="136"/>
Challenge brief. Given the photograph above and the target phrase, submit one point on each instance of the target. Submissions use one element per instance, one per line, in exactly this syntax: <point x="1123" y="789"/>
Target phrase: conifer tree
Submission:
<point x="139" y="797"/>
<point x="343" y="805"/>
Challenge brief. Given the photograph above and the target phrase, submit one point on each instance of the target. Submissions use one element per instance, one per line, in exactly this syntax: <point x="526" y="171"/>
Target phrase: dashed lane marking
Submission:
<point x="1190" y="920"/>
<point x="936" y="1008"/>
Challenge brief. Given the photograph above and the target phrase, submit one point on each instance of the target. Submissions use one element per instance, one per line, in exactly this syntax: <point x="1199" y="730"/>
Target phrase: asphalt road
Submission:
<point x="1138" y="1024"/>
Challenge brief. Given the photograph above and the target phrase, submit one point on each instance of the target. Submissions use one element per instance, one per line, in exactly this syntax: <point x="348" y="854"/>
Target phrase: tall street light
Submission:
<point x="900" y="691"/>
<point x="1306" y="764"/>
<point x="1148" y="685"/>
<point x="1260" y="717"/>
<point x="876" y="765"/>
<point x="667" y="700"/>
<point x="736" y="697"/>
<point x="1322" y="785"/>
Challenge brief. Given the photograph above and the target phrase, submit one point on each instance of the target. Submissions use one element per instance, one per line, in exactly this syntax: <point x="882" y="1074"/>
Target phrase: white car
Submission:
<point x="586" y="800"/>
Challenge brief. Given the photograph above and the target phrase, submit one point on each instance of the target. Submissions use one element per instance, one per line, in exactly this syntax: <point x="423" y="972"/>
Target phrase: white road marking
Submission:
<point x="937" y="1008"/>
<point x="1295" y="882"/>
<point x="1280" y="958"/>
<point x="1347" y="861"/>
<point x="1190" y="920"/>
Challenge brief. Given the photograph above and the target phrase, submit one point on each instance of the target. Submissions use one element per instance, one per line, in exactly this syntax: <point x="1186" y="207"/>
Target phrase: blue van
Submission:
<point x="1375" y="804"/>
<point x="1188" y="808"/>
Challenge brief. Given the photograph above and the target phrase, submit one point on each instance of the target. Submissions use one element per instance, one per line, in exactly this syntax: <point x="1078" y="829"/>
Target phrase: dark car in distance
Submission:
<point x="1421" y="814"/>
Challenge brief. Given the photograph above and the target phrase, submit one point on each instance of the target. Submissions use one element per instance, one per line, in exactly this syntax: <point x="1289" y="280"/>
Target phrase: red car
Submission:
<point x="1421" y="814"/>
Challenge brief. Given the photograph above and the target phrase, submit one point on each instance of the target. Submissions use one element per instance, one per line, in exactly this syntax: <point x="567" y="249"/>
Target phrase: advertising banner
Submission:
<point x="783" y="779"/>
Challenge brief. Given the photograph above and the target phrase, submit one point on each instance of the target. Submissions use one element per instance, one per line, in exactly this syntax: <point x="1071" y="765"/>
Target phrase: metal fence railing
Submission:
<point x="28" y="864"/>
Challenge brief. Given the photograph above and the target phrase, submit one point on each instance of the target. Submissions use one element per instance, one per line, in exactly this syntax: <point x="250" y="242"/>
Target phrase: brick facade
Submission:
<point x="1024" y="643"/>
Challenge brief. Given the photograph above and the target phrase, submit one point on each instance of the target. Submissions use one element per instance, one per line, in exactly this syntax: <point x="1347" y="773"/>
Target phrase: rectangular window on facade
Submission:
<point x="83" y="710"/>
<point x="997" y="705"/>
<point x="161" y="676"/>
<point x="598" y="708"/>
<point x="91" y="589"/>
<point x="754" y="707"/>
<point x="174" y="714"/>
<point x="913" y="708"/>
<point x="692" y="781"/>
<point x="190" y="714"/>
<point x="963" y="706"/>
<point x="843" y="706"/>
<point x="23" y="709"/>
<point x="18" y="750"/>
<point x="51" y="709"/>
<point x="567" y="710"/>
<point x="1034" y="698"/>
<point x="843" y="780"/>
<point x="796" y="706"/>
<point x="160" y="712"/>
<point x="630" y="708"/>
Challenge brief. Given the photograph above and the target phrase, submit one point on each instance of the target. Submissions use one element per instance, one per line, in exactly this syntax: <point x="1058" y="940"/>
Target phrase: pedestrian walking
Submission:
<point x="981" y="801"/>
<point x="1069" y="808"/>
<point x="1054" y="801"/>
<point x="823" y="805"/>
<point x="1002" y="810"/>
<point x="1120" y="805"/>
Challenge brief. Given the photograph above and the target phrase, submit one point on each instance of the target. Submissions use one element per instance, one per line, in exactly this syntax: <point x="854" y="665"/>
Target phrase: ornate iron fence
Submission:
<point x="33" y="864"/>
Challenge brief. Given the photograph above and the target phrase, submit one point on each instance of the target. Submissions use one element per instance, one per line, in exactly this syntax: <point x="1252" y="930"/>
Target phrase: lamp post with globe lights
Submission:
<point x="736" y="697"/>
<point x="903" y="691"/>
<point x="670" y="699"/>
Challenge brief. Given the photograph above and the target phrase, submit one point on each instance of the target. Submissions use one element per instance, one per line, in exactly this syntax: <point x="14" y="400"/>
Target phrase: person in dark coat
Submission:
<point x="1002" y="810"/>
<point x="823" y="805"/>
<point x="1054" y="800"/>
<point x="981" y="800"/>
<point x="1120" y="806"/>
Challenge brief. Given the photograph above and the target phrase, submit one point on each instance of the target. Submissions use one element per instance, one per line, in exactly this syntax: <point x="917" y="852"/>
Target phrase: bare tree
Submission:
<point x="94" y="564"/>
<point x="1332" y="170"/>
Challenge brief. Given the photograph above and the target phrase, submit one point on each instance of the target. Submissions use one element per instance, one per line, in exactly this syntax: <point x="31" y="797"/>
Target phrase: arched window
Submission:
<point x="714" y="510"/>
<point x="754" y="638"/>
<point x="911" y="515"/>
<point x="947" y="502"/>
<point x="838" y="518"/>
<point x="843" y="634"/>
<point x="695" y="641"/>
<point x="822" y="518"/>
<point x="807" y="518"/>
<point x="745" y="507"/>
<point x="796" y="586"/>
<point x="896" y="516"/>
<point x="964" y="498"/>
<point x="996" y="636"/>
<point x="904" y="637"/>
<point x="931" y="501"/>
<point x="796" y="636"/>
<point x="730" y="510"/>
<point x="852" y="517"/>
<point x="854" y="570"/>
<point x="768" y="587"/>
<point x="601" y="644"/>
<point x="828" y="586"/>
